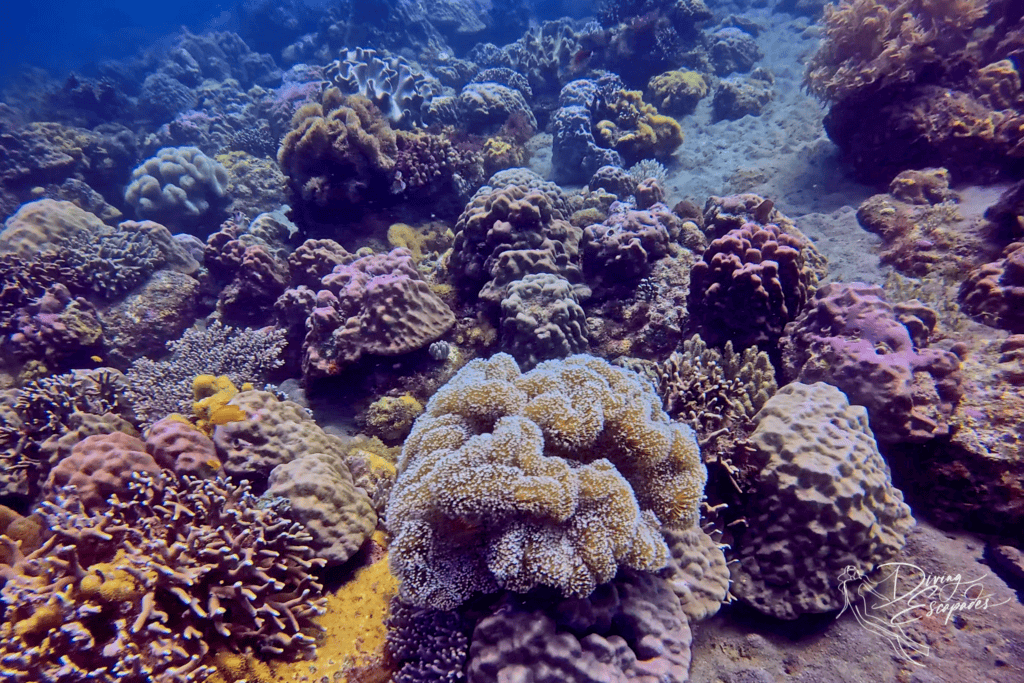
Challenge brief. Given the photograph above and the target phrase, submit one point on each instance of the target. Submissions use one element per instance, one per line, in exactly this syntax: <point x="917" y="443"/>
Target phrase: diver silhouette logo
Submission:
<point x="902" y="594"/>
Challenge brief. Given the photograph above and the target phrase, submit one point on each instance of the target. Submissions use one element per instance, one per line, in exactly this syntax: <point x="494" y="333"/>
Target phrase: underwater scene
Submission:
<point x="512" y="341"/>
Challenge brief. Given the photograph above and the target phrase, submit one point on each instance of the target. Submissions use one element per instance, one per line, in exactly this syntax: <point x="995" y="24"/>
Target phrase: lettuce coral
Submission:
<point x="555" y="477"/>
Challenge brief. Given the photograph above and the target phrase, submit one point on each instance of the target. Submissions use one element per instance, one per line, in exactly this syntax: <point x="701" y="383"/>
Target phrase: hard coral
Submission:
<point x="994" y="292"/>
<point x="635" y="129"/>
<point x="147" y="589"/>
<point x="102" y="465"/>
<point x="555" y="477"/>
<point x="850" y="337"/>
<point x="377" y="305"/>
<point x="823" y="501"/>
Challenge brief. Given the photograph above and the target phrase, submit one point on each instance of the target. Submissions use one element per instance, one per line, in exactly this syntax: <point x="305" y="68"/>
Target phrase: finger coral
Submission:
<point x="144" y="591"/>
<point x="555" y="477"/>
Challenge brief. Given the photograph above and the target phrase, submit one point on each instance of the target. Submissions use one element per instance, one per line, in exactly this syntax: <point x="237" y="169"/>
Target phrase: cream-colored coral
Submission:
<point x="555" y="477"/>
<point x="697" y="572"/>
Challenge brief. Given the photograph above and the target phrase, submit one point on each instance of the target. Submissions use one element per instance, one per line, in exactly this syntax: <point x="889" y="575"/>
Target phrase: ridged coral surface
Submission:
<point x="823" y="501"/>
<point x="555" y="477"/>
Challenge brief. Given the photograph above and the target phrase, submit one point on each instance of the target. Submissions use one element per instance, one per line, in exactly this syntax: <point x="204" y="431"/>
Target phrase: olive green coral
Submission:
<point x="555" y="477"/>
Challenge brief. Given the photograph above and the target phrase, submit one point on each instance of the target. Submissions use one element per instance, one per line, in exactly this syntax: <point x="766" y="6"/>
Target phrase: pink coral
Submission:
<point x="101" y="465"/>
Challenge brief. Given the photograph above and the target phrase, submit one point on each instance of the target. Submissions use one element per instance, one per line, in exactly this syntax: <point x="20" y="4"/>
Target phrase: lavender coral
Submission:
<point x="555" y="477"/>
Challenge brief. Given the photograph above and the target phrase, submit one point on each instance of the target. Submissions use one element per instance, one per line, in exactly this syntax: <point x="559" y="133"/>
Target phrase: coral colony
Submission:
<point x="467" y="341"/>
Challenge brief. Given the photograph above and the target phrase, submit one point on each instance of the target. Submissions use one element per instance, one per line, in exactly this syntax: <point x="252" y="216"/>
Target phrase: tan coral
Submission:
<point x="556" y="477"/>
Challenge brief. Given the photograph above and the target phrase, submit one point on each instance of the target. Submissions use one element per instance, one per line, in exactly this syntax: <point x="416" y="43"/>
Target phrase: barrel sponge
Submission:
<point x="177" y="187"/>
<point x="324" y="498"/>
<point x="556" y="477"/>
<point x="273" y="432"/>
<point x="823" y="501"/>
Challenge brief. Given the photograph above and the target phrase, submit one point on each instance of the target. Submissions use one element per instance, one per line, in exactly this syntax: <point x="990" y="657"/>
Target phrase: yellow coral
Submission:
<point x="677" y="91"/>
<point x="354" y="632"/>
<point x="211" y="396"/>
<point x="649" y="134"/>
<point x="42" y="620"/>
<point x="391" y="418"/>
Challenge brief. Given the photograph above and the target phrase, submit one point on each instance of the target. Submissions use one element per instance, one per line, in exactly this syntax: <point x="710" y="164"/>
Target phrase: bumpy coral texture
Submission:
<point x="274" y="432"/>
<point x="508" y="233"/>
<point x="55" y="326"/>
<point x="375" y="305"/>
<point x="994" y="292"/>
<point x="541" y="319"/>
<point x="697" y="572"/>
<point x="43" y="224"/>
<point x="850" y="337"/>
<point x="555" y="477"/>
<point x="324" y="498"/>
<point x="101" y="465"/>
<point x="635" y="129"/>
<point x="176" y="445"/>
<point x="575" y="154"/>
<point x="621" y="250"/>
<point x="749" y="284"/>
<point x="823" y="501"/>
<point x="428" y="644"/>
<point x="180" y="187"/>
<point x="338" y="154"/>
<point x="145" y="591"/>
<point x="677" y="92"/>
<point x="632" y="630"/>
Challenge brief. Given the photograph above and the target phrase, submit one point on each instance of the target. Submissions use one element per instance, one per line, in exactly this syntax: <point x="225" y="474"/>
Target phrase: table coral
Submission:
<point x="147" y="589"/>
<point x="376" y="305"/>
<point x="823" y="500"/>
<point x="849" y="336"/>
<point x="555" y="477"/>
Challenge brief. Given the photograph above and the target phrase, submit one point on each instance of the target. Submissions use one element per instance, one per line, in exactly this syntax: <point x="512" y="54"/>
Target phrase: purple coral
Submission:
<point x="850" y="337"/>
<point x="377" y="304"/>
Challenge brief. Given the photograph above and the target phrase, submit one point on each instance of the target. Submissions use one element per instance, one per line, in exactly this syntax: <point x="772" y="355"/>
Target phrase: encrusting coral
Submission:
<point x="144" y="591"/>
<point x="555" y="477"/>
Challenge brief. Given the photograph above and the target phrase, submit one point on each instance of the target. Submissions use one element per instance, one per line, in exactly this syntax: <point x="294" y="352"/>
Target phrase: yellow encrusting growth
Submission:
<point x="354" y="631"/>
<point x="211" y="395"/>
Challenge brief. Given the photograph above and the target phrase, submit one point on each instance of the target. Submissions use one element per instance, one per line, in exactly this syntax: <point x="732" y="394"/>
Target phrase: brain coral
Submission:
<point x="823" y="501"/>
<point x="181" y="188"/>
<point x="379" y="305"/>
<point x="849" y="336"/>
<point x="555" y="477"/>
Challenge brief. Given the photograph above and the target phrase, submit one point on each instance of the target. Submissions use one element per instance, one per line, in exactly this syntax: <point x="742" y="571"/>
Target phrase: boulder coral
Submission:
<point x="635" y="129"/>
<point x="556" y="477"/>
<point x="850" y="336"/>
<point x="376" y="305"/>
<point x="822" y="501"/>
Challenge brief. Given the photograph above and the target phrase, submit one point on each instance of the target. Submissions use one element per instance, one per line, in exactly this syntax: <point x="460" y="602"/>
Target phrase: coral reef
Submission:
<point x="635" y="129"/>
<point x="994" y="292"/>
<point x="159" y="388"/>
<point x="748" y="284"/>
<point x="376" y="305"/>
<point x="427" y="643"/>
<point x="850" y="337"/>
<point x="510" y="232"/>
<point x="696" y="572"/>
<point x="922" y="228"/>
<point x="394" y="85"/>
<point x="555" y="477"/>
<point x="338" y="156"/>
<point x="170" y="572"/>
<point x="619" y="251"/>
<point x="101" y="465"/>
<point x="677" y="92"/>
<point x="822" y="501"/>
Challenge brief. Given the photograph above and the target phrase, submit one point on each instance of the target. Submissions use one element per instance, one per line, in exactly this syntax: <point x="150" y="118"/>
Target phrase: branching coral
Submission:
<point x="555" y="477"/>
<point x="146" y="590"/>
